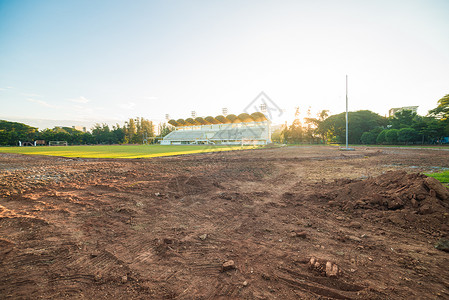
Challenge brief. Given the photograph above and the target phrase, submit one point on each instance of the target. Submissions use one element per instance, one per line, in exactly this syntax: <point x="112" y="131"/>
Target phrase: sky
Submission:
<point x="82" y="62"/>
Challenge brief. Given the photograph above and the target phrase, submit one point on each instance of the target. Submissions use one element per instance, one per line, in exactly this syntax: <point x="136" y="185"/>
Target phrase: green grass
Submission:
<point x="441" y="176"/>
<point x="395" y="146"/>
<point x="119" y="151"/>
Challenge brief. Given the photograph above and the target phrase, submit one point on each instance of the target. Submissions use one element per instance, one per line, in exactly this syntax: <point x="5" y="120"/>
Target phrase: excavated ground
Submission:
<point x="287" y="223"/>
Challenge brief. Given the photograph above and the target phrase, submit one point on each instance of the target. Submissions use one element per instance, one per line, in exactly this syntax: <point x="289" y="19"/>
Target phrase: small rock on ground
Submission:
<point x="228" y="265"/>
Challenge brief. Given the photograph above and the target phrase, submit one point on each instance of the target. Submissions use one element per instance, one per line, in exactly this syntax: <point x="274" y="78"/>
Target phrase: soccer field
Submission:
<point x="119" y="151"/>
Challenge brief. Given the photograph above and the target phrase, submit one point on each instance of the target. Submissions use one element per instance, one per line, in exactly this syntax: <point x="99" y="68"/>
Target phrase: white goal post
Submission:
<point x="57" y="143"/>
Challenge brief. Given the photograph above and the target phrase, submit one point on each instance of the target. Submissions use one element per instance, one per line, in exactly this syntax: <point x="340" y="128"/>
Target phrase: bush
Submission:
<point x="381" y="137"/>
<point x="391" y="136"/>
<point x="407" y="135"/>
<point x="368" y="138"/>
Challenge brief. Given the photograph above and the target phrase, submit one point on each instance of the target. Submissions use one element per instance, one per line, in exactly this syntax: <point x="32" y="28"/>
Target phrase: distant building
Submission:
<point x="392" y="111"/>
<point x="80" y="128"/>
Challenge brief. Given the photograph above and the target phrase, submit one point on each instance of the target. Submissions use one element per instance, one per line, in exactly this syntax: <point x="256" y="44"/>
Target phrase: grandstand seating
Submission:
<point x="253" y="133"/>
<point x="185" y="135"/>
<point x="251" y="129"/>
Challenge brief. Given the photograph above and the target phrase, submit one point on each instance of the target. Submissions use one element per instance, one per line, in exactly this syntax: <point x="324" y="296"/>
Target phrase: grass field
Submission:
<point x="434" y="147"/>
<point x="119" y="151"/>
<point x="441" y="176"/>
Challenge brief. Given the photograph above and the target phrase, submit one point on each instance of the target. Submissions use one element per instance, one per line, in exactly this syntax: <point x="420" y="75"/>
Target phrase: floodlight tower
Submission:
<point x="347" y="120"/>
<point x="347" y="112"/>
<point x="224" y="111"/>
<point x="193" y="114"/>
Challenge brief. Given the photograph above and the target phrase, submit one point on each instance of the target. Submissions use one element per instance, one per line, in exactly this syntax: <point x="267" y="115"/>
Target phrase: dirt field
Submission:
<point x="285" y="223"/>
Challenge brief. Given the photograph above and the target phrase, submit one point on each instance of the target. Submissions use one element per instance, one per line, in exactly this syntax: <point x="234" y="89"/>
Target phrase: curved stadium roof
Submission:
<point x="242" y="118"/>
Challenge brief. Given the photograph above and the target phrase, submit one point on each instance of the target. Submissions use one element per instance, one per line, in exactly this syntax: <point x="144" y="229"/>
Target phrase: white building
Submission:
<point x="392" y="111"/>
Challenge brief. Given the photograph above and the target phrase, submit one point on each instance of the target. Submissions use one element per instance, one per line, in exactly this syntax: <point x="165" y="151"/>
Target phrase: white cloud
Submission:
<point x="32" y="95"/>
<point x="41" y="102"/>
<point x="150" y="98"/>
<point x="127" y="105"/>
<point x="80" y="99"/>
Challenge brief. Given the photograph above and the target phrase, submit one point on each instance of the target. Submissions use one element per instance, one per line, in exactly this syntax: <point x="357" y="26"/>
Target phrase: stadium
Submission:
<point x="244" y="129"/>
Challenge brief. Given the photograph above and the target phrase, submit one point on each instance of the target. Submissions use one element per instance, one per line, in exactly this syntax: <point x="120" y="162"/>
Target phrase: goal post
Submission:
<point x="57" y="143"/>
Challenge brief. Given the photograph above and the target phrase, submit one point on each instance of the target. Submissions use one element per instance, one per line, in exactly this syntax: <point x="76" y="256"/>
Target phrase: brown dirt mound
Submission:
<point x="394" y="190"/>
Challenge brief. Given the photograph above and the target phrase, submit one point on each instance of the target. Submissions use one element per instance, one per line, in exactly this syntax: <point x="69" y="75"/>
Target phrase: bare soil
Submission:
<point x="283" y="223"/>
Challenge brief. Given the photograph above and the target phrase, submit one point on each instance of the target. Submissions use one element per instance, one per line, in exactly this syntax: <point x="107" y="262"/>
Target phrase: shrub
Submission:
<point x="391" y="136"/>
<point x="381" y="137"/>
<point x="407" y="135"/>
<point x="368" y="138"/>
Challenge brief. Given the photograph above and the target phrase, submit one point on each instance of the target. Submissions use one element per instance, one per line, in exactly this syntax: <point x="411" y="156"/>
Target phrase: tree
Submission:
<point x="391" y="136"/>
<point x="407" y="135"/>
<point x="294" y="134"/>
<point x="403" y="119"/>
<point x="146" y="129"/>
<point x="138" y="130"/>
<point x="276" y="136"/>
<point x="119" y="134"/>
<point x="165" y="129"/>
<point x="315" y="125"/>
<point x="442" y="110"/>
<point x="368" y="138"/>
<point x="381" y="137"/>
<point x="130" y="130"/>
<point x="359" y="122"/>
<point x="13" y="132"/>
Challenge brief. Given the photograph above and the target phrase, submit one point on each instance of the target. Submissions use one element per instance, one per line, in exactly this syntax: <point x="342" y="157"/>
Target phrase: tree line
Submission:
<point x="367" y="127"/>
<point x="133" y="131"/>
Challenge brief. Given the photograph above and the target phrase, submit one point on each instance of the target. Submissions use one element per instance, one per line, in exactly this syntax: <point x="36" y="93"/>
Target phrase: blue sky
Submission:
<point x="81" y="62"/>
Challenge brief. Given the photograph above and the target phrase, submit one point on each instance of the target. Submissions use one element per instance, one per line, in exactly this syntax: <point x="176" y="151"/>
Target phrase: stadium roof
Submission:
<point x="242" y="118"/>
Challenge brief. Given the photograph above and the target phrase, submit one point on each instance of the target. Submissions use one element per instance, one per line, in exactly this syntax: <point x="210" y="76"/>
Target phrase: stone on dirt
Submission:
<point x="124" y="279"/>
<point x="395" y="203"/>
<point x="300" y="234"/>
<point x="228" y="265"/>
<point x="203" y="236"/>
<point x="331" y="269"/>
<point x="98" y="277"/>
<point x="440" y="191"/>
<point x="355" y="224"/>
<point x="327" y="268"/>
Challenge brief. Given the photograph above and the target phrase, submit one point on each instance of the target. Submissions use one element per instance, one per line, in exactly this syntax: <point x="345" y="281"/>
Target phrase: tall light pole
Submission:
<point x="347" y="120"/>
<point x="346" y="112"/>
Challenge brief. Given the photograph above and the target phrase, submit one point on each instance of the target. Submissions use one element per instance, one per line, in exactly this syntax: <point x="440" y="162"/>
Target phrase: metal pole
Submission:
<point x="346" y="111"/>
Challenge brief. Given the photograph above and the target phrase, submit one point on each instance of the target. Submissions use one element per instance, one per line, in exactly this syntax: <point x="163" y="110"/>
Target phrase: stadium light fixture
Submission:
<point x="347" y="119"/>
